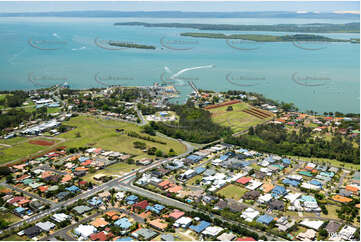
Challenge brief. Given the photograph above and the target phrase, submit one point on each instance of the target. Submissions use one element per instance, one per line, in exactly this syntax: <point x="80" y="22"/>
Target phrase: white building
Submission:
<point x="60" y="217"/>
<point x="265" y="198"/>
<point x="308" y="235"/>
<point x="183" y="222"/>
<point x="312" y="224"/>
<point x="254" y="184"/>
<point x="250" y="214"/>
<point x="347" y="232"/>
<point x="212" y="231"/>
<point x="84" y="231"/>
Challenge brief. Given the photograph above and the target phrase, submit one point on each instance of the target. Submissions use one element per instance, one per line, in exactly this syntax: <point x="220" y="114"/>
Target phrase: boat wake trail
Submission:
<point x="174" y="76"/>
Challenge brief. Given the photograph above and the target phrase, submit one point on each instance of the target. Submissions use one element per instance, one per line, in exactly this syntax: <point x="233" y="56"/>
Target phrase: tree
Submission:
<point x="159" y="153"/>
<point x="251" y="131"/>
<point x="4" y="171"/>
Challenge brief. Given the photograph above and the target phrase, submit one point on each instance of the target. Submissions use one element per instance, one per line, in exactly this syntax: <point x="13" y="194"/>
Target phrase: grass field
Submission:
<point x="116" y="169"/>
<point x="101" y="133"/>
<point x="232" y="191"/>
<point x="332" y="162"/>
<point x="236" y="119"/>
<point x="194" y="179"/>
<point x="13" y="237"/>
<point x="20" y="148"/>
<point x="17" y="151"/>
<point x="9" y="217"/>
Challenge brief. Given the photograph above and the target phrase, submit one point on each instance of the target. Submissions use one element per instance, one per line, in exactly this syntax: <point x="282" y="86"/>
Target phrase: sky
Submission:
<point x="215" y="6"/>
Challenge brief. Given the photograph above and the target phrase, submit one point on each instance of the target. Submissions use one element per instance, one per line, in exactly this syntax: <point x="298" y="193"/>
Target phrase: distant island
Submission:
<point x="265" y="38"/>
<point x="300" y="28"/>
<point x="182" y="14"/>
<point x="131" y="45"/>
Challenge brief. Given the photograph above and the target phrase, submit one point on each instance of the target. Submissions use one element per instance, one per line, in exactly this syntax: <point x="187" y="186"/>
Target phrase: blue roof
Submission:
<point x="286" y="161"/>
<point x="125" y="239"/>
<point x="194" y="158"/>
<point x="95" y="201"/>
<point x="19" y="209"/>
<point x="82" y="159"/>
<point x="290" y="182"/>
<point x="131" y="198"/>
<point x="278" y="191"/>
<point x="305" y="198"/>
<point x="123" y="223"/>
<point x="328" y="174"/>
<point x="200" y="227"/>
<point x="53" y="105"/>
<point x="242" y="150"/>
<point x="223" y="157"/>
<point x="270" y="159"/>
<point x="265" y="219"/>
<point x="315" y="182"/>
<point x="157" y="208"/>
<point x="199" y="170"/>
<point x="73" y="188"/>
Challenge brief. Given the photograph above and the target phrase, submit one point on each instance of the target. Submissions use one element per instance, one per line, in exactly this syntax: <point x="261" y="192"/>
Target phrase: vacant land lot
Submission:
<point x="96" y="132"/>
<point x="328" y="162"/>
<point x="17" y="151"/>
<point x="21" y="147"/>
<point x="232" y="191"/>
<point x="236" y="119"/>
<point x="117" y="169"/>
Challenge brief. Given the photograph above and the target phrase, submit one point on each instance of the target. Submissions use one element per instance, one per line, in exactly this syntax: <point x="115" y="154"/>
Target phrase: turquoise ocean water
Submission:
<point x="318" y="76"/>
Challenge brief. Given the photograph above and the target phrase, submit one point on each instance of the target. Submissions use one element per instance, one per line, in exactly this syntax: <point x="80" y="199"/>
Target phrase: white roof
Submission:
<point x="249" y="214"/>
<point x="59" y="217"/>
<point x="292" y="196"/>
<point x="295" y="177"/>
<point x="310" y="186"/>
<point x="347" y="232"/>
<point x="312" y="224"/>
<point x="46" y="226"/>
<point x="254" y="184"/>
<point x="212" y="230"/>
<point x="85" y="230"/>
<point x="310" y="164"/>
<point x="265" y="198"/>
<point x="226" y="237"/>
<point x="184" y="221"/>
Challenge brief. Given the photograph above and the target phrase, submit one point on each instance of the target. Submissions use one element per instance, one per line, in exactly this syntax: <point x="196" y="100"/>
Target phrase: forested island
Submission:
<point x="300" y="28"/>
<point x="265" y="38"/>
<point x="131" y="45"/>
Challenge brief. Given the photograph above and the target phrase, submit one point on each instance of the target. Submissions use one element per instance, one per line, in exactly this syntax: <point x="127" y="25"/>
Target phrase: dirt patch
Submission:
<point x="41" y="142"/>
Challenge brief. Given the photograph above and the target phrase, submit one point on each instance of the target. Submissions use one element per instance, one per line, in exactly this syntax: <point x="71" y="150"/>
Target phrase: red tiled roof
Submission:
<point x="164" y="183"/>
<point x="176" y="214"/>
<point x="142" y="205"/>
<point x="246" y="239"/>
<point x="244" y="180"/>
<point x="86" y="163"/>
<point x="43" y="188"/>
<point x="101" y="236"/>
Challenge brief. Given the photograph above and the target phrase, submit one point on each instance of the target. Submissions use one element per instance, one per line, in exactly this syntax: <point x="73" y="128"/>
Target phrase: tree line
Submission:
<point x="274" y="138"/>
